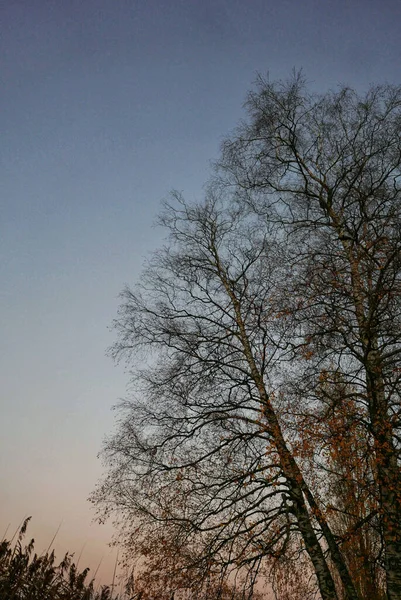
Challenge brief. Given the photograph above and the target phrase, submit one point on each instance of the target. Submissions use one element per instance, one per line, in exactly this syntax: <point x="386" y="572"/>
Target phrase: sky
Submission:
<point x="106" y="106"/>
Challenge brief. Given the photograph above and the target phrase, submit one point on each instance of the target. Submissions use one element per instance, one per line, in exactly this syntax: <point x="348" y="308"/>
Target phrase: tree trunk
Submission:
<point x="389" y="479"/>
<point x="322" y="571"/>
<point x="292" y="474"/>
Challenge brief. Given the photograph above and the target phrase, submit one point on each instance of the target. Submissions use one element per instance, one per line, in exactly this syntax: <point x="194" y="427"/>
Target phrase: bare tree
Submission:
<point x="326" y="170"/>
<point x="202" y="445"/>
<point x="272" y="311"/>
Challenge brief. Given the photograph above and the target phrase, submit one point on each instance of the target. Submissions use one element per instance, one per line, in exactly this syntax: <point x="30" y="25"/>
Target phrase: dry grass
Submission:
<point x="25" y="575"/>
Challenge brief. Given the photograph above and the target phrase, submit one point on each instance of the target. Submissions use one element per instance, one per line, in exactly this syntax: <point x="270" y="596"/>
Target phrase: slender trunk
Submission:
<point x="291" y="469"/>
<point x="338" y="559"/>
<point x="389" y="480"/>
<point x="323" y="575"/>
<point x="288" y="464"/>
<point x="297" y="488"/>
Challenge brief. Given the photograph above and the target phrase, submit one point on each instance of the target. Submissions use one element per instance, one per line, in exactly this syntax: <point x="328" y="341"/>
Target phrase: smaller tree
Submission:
<point x="202" y="445"/>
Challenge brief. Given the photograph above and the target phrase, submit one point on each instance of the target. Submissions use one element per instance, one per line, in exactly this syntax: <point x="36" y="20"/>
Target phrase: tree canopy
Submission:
<point x="263" y="426"/>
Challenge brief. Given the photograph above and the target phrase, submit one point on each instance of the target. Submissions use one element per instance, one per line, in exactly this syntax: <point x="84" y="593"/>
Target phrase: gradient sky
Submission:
<point x="107" y="105"/>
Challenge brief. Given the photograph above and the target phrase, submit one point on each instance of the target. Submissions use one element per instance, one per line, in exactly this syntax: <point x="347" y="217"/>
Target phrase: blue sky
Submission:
<point x="106" y="106"/>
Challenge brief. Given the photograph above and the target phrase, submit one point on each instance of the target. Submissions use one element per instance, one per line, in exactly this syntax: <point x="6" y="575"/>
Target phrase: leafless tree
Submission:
<point x="272" y="311"/>
<point x="202" y="446"/>
<point x="326" y="170"/>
